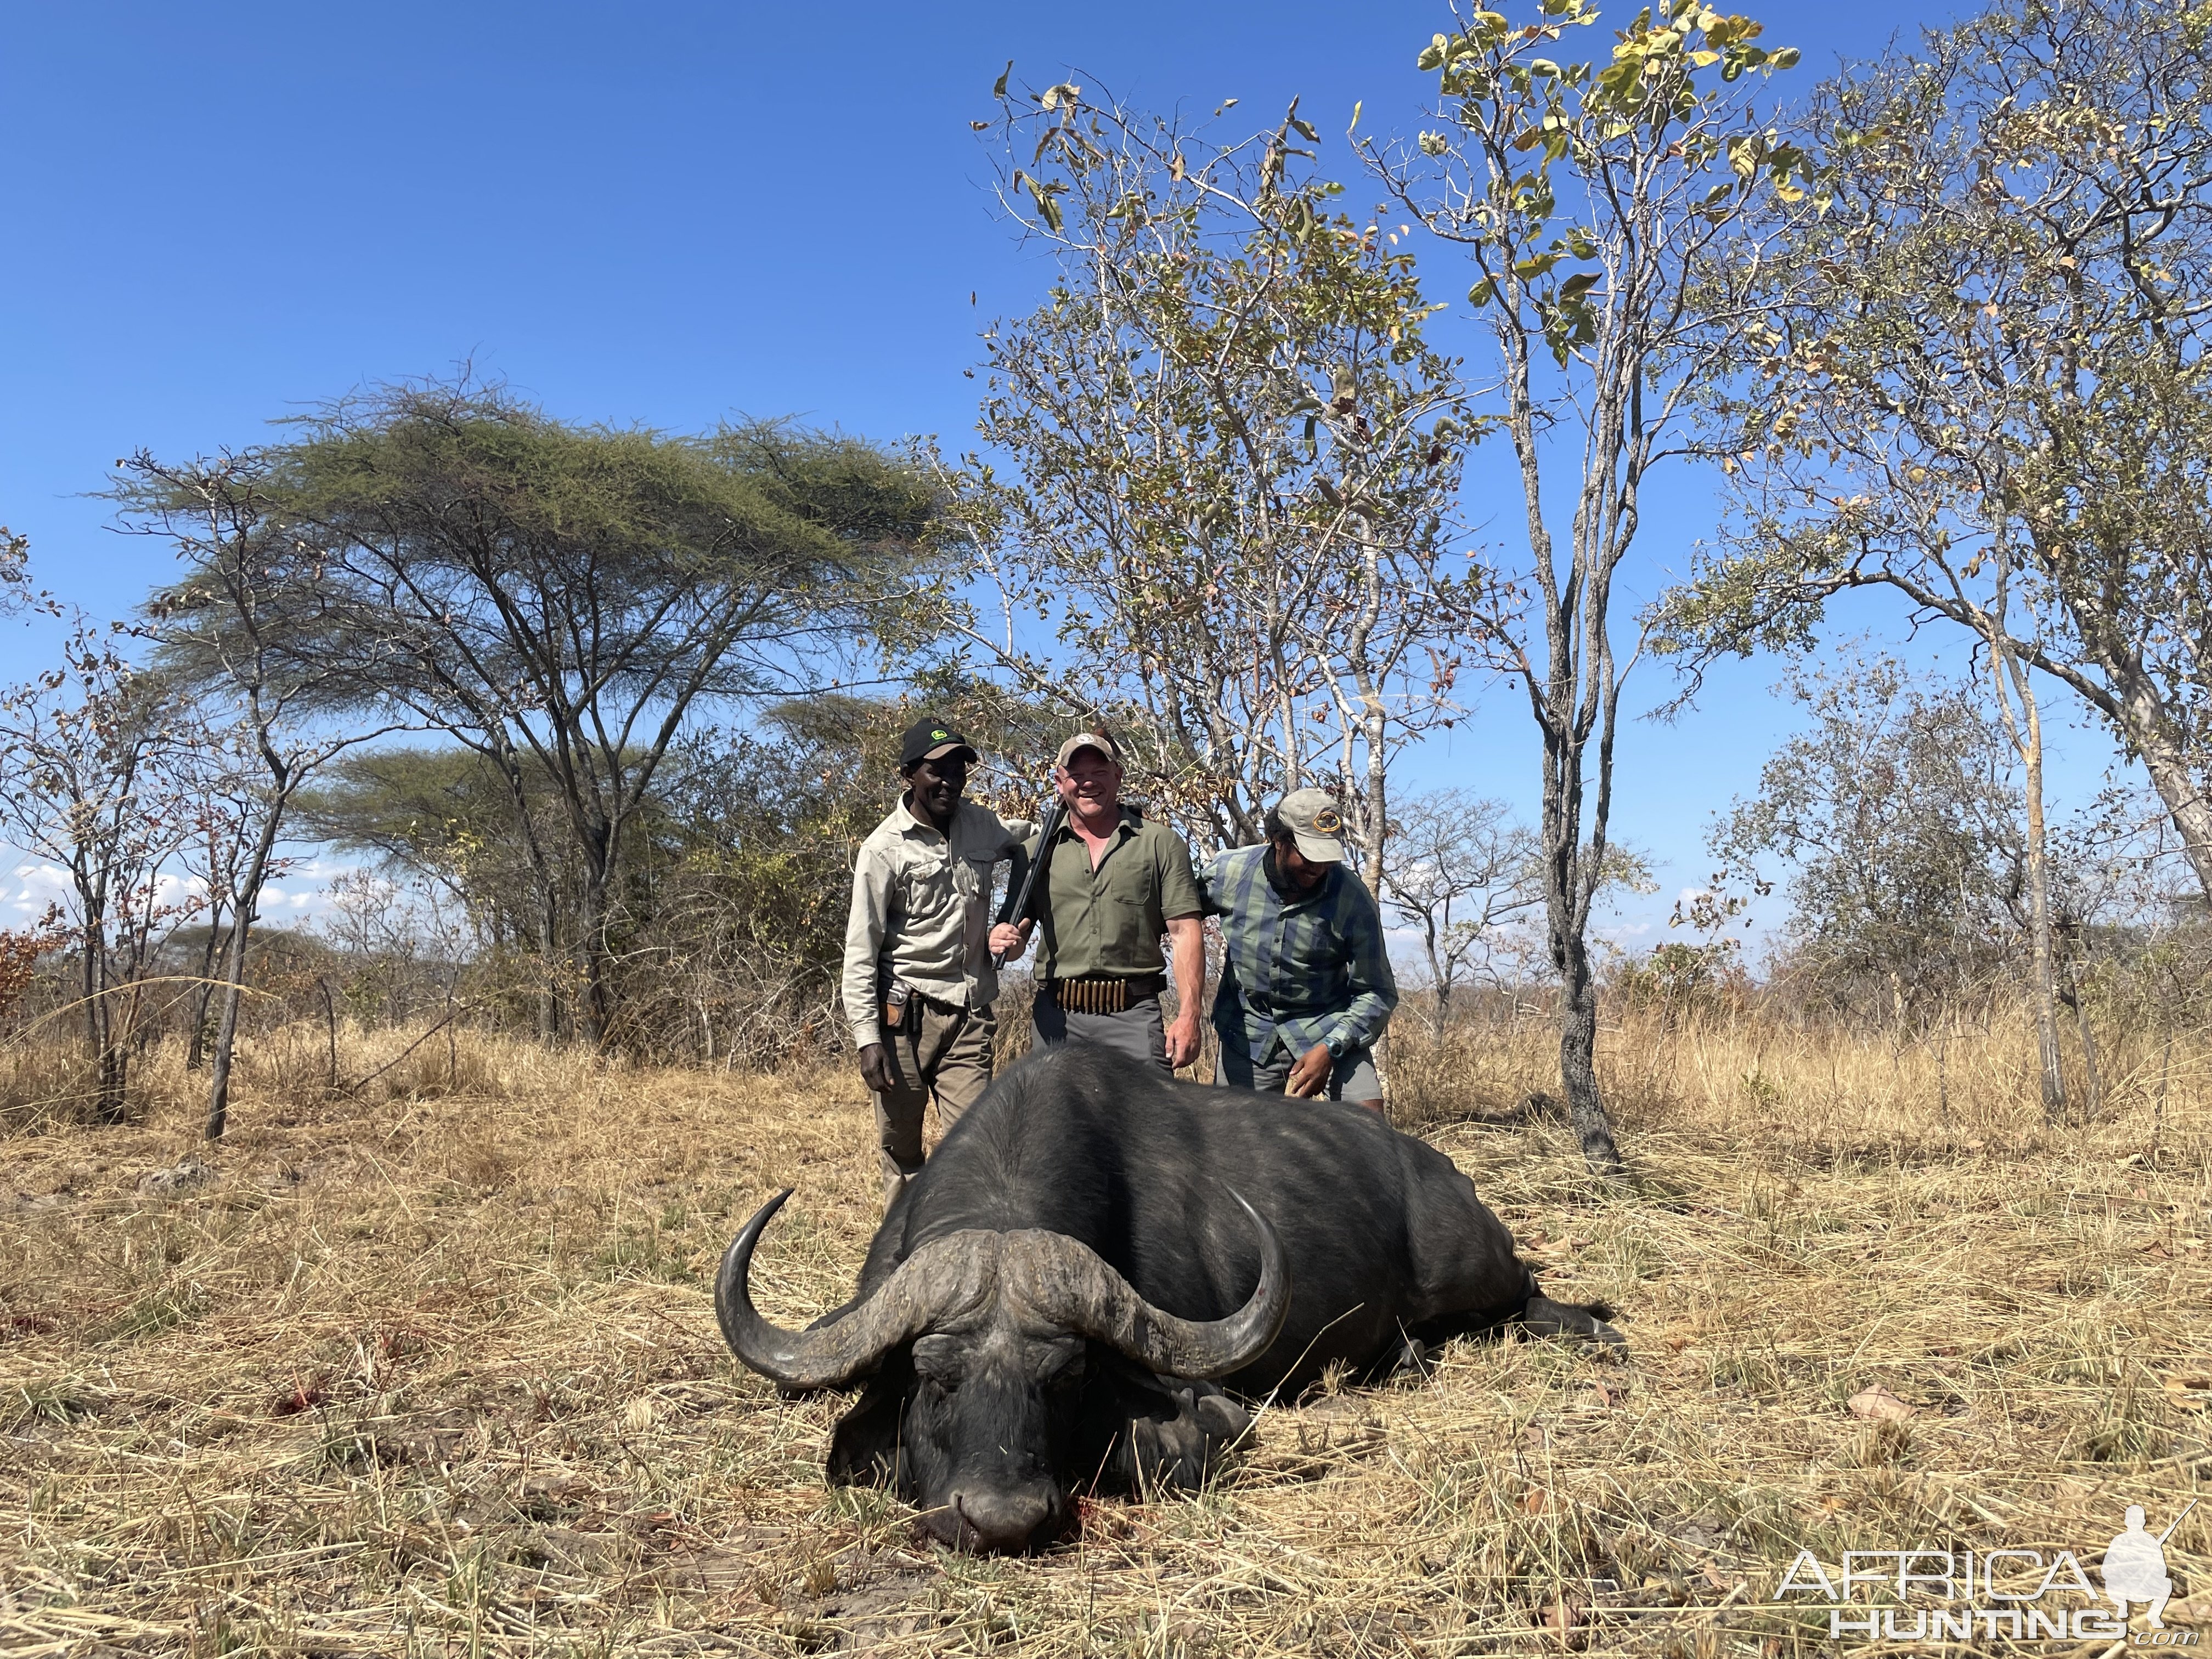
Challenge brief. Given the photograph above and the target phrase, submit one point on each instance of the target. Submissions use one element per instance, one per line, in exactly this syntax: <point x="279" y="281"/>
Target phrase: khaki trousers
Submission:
<point x="941" y="1052"/>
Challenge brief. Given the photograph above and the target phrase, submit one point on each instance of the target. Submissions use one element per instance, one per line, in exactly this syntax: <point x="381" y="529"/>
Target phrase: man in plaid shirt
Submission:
<point x="1306" y="987"/>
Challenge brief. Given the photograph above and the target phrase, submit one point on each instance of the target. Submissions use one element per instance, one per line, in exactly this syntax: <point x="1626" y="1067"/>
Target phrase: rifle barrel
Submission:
<point x="1020" y="908"/>
<point x="2178" y="1520"/>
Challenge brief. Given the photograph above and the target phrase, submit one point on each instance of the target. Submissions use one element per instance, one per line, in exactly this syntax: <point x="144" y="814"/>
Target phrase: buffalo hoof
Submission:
<point x="1410" y="1364"/>
<point x="1222" y="1417"/>
<point x="1545" y="1318"/>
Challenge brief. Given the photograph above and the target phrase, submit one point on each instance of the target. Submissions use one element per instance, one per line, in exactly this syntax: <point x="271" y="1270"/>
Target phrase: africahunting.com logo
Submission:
<point x="2022" y="1595"/>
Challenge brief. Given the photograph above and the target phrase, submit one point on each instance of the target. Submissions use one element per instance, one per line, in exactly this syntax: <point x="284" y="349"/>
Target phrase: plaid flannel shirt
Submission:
<point x="1297" y="970"/>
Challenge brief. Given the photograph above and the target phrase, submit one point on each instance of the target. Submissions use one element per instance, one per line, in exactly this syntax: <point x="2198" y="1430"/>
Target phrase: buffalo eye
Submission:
<point x="1061" y="1363"/>
<point x="937" y="1362"/>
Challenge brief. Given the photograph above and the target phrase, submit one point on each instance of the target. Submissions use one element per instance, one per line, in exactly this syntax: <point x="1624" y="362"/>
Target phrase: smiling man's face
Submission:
<point x="1090" y="782"/>
<point x="936" y="786"/>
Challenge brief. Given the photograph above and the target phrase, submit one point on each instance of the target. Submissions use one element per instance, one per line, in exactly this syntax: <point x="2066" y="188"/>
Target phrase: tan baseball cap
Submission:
<point x="1099" y="740"/>
<point x="1312" y="818"/>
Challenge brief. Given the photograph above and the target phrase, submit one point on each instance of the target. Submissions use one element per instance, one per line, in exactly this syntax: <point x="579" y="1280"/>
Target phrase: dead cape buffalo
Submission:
<point x="1051" y="1301"/>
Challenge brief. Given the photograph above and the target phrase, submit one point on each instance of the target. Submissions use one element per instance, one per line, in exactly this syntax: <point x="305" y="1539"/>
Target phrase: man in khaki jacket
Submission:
<point x="918" y="984"/>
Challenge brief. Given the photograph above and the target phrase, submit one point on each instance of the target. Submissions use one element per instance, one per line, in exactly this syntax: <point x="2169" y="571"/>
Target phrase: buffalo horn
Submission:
<point x="1074" y="1287"/>
<point x="941" y="1278"/>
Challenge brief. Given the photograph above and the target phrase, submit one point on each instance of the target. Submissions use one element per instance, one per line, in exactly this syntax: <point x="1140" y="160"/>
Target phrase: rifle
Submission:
<point x="1019" y="909"/>
<point x="2178" y="1520"/>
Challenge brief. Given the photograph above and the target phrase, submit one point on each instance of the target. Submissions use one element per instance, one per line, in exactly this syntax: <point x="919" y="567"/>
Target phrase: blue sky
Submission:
<point x="666" y="213"/>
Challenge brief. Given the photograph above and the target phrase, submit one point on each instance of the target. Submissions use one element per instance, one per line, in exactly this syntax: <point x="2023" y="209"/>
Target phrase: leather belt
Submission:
<point x="1104" y="994"/>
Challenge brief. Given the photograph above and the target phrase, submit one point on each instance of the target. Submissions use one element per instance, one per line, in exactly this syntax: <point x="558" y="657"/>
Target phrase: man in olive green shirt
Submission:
<point x="1112" y="884"/>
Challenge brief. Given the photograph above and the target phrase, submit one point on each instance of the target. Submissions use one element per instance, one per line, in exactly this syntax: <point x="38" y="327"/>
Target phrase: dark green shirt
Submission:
<point x="1109" y="920"/>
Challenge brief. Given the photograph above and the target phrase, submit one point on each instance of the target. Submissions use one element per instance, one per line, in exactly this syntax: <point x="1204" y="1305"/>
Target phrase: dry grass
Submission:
<point x="430" y="1368"/>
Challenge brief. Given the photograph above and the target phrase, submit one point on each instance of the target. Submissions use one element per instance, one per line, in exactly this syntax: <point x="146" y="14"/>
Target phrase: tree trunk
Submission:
<point x="2092" y="1075"/>
<point x="1578" y="1062"/>
<point x="2027" y="732"/>
<point x="89" y="955"/>
<point x="1374" y="728"/>
<point x="549" y="979"/>
<point x="2148" y="725"/>
<point x="1578" y="690"/>
<point x="226" y="1030"/>
<point x="2176" y="782"/>
<point x="203" y="995"/>
<point x="114" y="1070"/>
<point x="243" y="903"/>
<point x="2048" y="1054"/>
<point x="1373" y="715"/>
<point x="99" y="1025"/>
<point x="592" y="961"/>
<point x="1567" y="889"/>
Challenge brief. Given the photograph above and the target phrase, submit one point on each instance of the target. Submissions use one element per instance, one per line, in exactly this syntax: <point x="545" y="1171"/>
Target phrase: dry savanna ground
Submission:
<point x="431" y="1367"/>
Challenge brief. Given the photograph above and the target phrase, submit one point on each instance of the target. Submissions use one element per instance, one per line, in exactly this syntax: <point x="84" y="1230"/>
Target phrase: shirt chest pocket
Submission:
<point x="930" y="887"/>
<point x="1124" y="920"/>
<point x="935" y="886"/>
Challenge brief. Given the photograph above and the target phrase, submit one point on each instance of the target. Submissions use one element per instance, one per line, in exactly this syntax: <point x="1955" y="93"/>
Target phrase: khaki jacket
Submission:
<point x="920" y="913"/>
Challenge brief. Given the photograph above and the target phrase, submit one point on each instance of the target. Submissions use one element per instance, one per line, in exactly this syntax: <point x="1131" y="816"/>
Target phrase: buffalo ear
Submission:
<point x="864" y="1447"/>
<point x="1142" y="1430"/>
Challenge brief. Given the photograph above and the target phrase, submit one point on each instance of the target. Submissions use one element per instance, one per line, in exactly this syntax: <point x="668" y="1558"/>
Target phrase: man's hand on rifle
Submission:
<point x="1010" y="938"/>
<point x="876" y="1069"/>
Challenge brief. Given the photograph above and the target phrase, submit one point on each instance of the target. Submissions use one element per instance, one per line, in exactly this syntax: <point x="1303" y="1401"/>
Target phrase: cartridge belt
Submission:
<point x="1104" y="994"/>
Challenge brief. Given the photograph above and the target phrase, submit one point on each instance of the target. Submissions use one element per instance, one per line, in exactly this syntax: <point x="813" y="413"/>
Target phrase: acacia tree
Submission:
<point x="229" y="627"/>
<point x="1598" y="204"/>
<point x="1235" y="453"/>
<point x="560" y="599"/>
